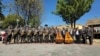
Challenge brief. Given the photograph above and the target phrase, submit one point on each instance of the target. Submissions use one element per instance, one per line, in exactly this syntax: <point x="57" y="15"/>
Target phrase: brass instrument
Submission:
<point x="22" y="32"/>
<point x="29" y="32"/>
<point x="35" y="32"/>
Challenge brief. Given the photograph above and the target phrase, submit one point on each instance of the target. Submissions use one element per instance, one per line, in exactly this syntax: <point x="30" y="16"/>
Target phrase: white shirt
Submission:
<point x="77" y="32"/>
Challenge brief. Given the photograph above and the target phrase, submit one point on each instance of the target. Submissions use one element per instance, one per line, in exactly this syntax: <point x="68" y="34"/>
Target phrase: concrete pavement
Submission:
<point x="49" y="49"/>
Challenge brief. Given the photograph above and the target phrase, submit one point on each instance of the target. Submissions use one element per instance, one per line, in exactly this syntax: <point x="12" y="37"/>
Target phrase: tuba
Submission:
<point x="29" y="32"/>
<point x="9" y="32"/>
<point x="40" y="32"/>
<point x="68" y="38"/>
<point x="22" y="32"/>
<point x="46" y="32"/>
<point x="35" y="32"/>
<point x="15" y="31"/>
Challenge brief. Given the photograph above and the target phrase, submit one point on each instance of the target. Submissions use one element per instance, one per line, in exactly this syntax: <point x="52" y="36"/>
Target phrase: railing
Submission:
<point x="96" y="33"/>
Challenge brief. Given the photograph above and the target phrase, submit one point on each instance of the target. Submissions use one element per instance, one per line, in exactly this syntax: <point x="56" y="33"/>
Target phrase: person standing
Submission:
<point x="36" y="35"/>
<point x="72" y="33"/>
<point x="46" y="33"/>
<point x="9" y="35"/>
<point x="84" y="35"/>
<point x="63" y="32"/>
<point x="40" y="34"/>
<point x="77" y="35"/>
<point x="90" y="35"/>
<point x="52" y="35"/>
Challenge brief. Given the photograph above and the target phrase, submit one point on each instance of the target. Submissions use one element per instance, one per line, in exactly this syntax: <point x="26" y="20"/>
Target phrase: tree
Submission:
<point x="12" y="20"/>
<point x="72" y="10"/>
<point x="30" y="10"/>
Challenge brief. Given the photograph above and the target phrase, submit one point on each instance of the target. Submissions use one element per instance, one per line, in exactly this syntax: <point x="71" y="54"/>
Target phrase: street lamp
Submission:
<point x="17" y="21"/>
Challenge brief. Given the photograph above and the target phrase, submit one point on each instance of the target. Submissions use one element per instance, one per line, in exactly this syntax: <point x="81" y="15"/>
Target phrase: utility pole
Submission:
<point x="1" y="15"/>
<point x="0" y="10"/>
<point x="0" y="7"/>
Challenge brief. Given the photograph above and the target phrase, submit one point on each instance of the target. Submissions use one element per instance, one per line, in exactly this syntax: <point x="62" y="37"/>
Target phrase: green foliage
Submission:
<point x="12" y="20"/>
<point x="72" y="10"/>
<point x="34" y="21"/>
<point x="28" y="9"/>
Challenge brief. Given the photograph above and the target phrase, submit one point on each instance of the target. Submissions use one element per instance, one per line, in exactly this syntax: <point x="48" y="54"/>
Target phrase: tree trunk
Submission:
<point x="71" y="25"/>
<point x="74" y="23"/>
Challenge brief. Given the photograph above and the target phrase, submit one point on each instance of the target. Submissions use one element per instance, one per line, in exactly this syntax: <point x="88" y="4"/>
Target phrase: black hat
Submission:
<point x="46" y="25"/>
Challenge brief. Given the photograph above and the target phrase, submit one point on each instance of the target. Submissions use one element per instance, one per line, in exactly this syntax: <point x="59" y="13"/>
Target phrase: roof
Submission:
<point x="69" y="26"/>
<point x="93" y="22"/>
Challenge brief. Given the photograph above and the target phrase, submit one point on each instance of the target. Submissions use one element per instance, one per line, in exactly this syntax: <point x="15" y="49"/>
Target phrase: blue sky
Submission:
<point x="54" y="20"/>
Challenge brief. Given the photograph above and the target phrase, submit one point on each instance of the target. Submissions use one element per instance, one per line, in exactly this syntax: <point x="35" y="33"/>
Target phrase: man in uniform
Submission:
<point x="72" y="33"/>
<point x="40" y="35"/>
<point x="90" y="35"/>
<point x="23" y="35"/>
<point x="36" y="35"/>
<point x="29" y="35"/>
<point x="63" y="32"/>
<point x="15" y="34"/>
<point x="46" y="33"/>
<point x="84" y="35"/>
<point x="9" y="34"/>
<point x="52" y="35"/>
<point x="78" y="35"/>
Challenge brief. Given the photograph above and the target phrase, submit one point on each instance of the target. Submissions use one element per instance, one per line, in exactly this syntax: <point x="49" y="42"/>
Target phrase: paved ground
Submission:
<point x="49" y="49"/>
<point x="96" y="41"/>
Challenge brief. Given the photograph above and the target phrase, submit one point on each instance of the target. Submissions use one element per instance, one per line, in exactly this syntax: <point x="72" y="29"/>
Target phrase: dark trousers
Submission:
<point x="84" y="39"/>
<point x="8" y="39"/>
<point x="52" y="38"/>
<point x="90" y="40"/>
<point x="63" y="35"/>
<point x="46" y="38"/>
<point x="78" y="40"/>
<point x="15" y="38"/>
<point x="29" y="38"/>
<point x="23" y="38"/>
<point x="36" y="38"/>
<point x="40" y="38"/>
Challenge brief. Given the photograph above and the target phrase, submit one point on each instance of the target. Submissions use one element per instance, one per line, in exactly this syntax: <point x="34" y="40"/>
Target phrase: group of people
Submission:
<point x="46" y="34"/>
<point x="82" y="35"/>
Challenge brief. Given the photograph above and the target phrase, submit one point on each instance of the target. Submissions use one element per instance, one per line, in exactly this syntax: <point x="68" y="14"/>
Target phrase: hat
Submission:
<point x="46" y="25"/>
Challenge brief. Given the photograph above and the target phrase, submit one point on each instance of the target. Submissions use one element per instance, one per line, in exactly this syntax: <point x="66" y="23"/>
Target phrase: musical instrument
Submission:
<point x="68" y="38"/>
<point x="35" y="32"/>
<point x="22" y="32"/>
<point x="29" y="32"/>
<point x="59" y="38"/>
<point x="40" y="32"/>
<point x="9" y="32"/>
<point x="15" y="31"/>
